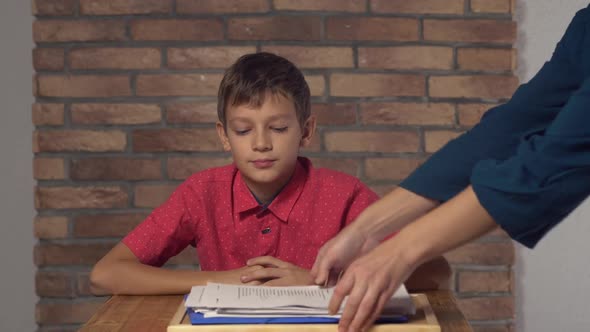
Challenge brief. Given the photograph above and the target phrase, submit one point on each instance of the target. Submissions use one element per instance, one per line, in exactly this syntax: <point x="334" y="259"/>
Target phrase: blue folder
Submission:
<point x="198" y="319"/>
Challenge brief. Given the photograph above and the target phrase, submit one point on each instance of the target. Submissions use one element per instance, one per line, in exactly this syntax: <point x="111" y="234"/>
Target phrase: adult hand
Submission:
<point x="369" y="282"/>
<point x="336" y="254"/>
<point x="276" y="273"/>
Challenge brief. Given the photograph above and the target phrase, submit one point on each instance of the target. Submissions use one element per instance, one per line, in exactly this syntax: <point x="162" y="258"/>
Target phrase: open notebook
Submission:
<point x="221" y="300"/>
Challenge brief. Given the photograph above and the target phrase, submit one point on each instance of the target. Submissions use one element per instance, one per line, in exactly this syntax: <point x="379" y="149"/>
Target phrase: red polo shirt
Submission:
<point x="215" y="211"/>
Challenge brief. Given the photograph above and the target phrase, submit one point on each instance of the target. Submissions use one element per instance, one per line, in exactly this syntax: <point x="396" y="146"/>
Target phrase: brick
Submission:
<point x="351" y="6"/>
<point x="83" y="284"/>
<point x="436" y="139"/>
<point x="474" y="86"/>
<point x="125" y="7"/>
<point x="470" y="114"/>
<point x="170" y="139"/>
<point x="115" y="168"/>
<point x="79" y="140"/>
<point x="406" y="57"/>
<point x="206" y="57"/>
<point x="151" y="196"/>
<point x="345" y="165"/>
<point x="487" y="308"/>
<point x="119" y="114"/>
<point x="54" y="284"/>
<point x="390" y="168"/>
<point x="423" y="114"/>
<point x="48" y="59"/>
<point x="376" y="85"/>
<point x="180" y="168"/>
<point x="80" y="197"/>
<point x="371" y="141"/>
<point x="314" y="146"/>
<point x="221" y="7"/>
<point x="491" y="6"/>
<point x="417" y="6"/>
<point x="178" y="84"/>
<point x="493" y="253"/>
<point x="84" y="86"/>
<point x="51" y="227"/>
<point x="106" y="225"/>
<point x="275" y="28"/>
<point x="78" y="31"/>
<point x="70" y="254"/>
<point x="48" y="168"/>
<point x="48" y="313"/>
<point x="484" y="281"/>
<point x="199" y="112"/>
<point x="477" y="31"/>
<point x="317" y="85"/>
<point x="486" y="59"/>
<point x="54" y="7"/>
<point x="48" y="114"/>
<point x="314" y="57"/>
<point x="114" y="58"/>
<point x="177" y="29"/>
<point x="334" y="114"/>
<point x="372" y="28"/>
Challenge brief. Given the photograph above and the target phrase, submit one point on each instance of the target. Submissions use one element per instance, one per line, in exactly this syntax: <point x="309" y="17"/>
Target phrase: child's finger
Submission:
<point x="268" y="261"/>
<point x="254" y="283"/>
<point x="268" y="273"/>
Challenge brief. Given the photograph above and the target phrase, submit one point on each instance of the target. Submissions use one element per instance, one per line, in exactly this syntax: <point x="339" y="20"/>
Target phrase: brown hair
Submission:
<point x="249" y="79"/>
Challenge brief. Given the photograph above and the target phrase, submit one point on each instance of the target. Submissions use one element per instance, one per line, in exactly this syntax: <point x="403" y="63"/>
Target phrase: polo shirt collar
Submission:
<point x="282" y="205"/>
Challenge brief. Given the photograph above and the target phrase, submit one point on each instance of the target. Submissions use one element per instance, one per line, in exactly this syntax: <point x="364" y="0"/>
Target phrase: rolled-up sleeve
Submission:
<point x="547" y="178"/>
<point x="526" y="153"/>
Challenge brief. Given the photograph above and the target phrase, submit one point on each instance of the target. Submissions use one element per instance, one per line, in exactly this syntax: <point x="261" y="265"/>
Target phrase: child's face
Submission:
<point x="265" y="141"/>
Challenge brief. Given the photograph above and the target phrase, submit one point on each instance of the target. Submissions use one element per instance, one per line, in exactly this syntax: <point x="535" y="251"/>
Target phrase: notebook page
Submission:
<point x="241" y="296"/>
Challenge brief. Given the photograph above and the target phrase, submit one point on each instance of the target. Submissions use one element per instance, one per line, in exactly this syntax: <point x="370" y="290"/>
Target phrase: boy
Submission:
<point x="260" y="220"/>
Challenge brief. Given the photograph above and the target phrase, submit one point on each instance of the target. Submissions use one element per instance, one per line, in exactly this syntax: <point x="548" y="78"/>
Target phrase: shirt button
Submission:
<point x="266" y="230"/>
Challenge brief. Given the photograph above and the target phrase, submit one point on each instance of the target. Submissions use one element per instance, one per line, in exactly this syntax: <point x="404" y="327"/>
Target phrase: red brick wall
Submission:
<point x="125" y="106"/>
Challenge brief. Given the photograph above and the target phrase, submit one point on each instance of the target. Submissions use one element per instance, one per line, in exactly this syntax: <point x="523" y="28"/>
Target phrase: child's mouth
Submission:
<point x="263" y="163"/>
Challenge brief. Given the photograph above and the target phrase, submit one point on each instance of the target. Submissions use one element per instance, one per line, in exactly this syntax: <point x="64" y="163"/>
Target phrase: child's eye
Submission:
<point x="242" y="132"/>
<point x="279" y="129"/>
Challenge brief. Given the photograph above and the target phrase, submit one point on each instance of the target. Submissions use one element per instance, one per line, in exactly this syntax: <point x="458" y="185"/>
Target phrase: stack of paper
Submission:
<point x="221" y="300"/>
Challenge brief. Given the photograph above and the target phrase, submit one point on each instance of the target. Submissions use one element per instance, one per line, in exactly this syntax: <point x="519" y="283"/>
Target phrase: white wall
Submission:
<point x="553" y="280"/>
<point x="17" y="298"/>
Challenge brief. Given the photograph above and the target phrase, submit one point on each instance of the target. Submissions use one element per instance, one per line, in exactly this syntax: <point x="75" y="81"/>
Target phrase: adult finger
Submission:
<point x="353" y="301"/>
<point x="315" y="267"/>
<point x="340" y="291"/>
<point x="322" y="266"/>
<point x="377" y="309"/>
<point x="365" y="308"/>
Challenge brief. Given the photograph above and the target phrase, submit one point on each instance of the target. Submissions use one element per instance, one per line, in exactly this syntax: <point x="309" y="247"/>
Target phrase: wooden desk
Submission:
<point x="153" y="313"/>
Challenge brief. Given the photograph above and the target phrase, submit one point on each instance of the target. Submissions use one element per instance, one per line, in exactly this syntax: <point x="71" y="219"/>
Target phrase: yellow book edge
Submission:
<point x="423" y="321"/>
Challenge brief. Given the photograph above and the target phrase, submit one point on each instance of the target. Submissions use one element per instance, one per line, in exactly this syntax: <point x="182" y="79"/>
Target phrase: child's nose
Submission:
<point x="262" y="142"/>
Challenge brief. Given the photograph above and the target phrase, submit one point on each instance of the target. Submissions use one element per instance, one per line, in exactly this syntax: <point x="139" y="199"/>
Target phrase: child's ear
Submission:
<point x="223" y="136"/>
<point x="308" y="131"/>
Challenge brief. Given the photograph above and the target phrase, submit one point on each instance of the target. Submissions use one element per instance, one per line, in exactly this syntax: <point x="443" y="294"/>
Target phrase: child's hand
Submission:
<point x="234" y="276"/>
<point x="276" y="273"/>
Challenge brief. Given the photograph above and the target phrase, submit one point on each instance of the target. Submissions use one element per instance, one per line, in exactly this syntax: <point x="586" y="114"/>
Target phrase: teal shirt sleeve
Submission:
<point x="528" y="160"/>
